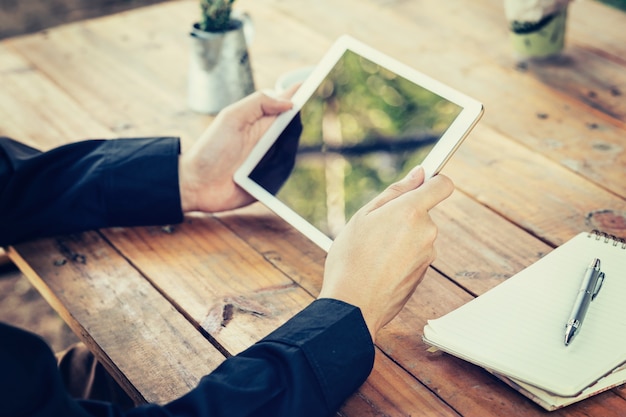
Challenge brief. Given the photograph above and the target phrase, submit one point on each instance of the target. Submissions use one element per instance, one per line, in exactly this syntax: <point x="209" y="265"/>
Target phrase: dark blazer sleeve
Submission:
<point x="306" y="368"/>
<point x="87" y="185"/>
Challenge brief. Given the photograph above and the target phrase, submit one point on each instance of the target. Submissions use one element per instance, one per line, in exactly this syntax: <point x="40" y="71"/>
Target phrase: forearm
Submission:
<point x="308" y="367"/>
<point x="87" y="185"/>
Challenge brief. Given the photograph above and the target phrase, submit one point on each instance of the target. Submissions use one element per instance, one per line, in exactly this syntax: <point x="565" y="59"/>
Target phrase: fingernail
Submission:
<point x="415" y="172"/>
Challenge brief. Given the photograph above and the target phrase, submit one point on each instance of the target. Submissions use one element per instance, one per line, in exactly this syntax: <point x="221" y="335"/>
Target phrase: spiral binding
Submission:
<point x="608" y="238"/>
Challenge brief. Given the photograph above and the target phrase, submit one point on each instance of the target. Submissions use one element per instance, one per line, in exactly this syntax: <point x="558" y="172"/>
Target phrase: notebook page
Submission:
<point x="518" y="328"/>
<point x="553" y="402"/>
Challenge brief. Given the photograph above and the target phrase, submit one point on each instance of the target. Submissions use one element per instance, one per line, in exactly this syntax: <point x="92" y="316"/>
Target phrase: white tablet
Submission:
<point x="360" y="121"/>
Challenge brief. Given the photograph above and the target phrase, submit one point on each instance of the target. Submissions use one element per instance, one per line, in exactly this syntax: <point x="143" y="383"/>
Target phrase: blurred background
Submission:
<point x="19" y="17"/>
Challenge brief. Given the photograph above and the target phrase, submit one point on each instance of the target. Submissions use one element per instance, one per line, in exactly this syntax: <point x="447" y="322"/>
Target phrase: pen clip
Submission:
<point x="599" y="283"/>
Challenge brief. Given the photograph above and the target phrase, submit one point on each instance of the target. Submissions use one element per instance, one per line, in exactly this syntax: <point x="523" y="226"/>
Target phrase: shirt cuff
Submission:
<point x="340" y="351"/>
<point x="141" y="187"/>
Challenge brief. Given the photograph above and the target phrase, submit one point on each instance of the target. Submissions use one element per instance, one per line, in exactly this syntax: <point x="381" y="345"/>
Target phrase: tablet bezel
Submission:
<point x="471" y="111"/>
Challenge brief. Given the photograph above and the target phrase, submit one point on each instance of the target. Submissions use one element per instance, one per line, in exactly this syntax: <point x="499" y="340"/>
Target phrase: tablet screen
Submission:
<point x="363" y="128"/>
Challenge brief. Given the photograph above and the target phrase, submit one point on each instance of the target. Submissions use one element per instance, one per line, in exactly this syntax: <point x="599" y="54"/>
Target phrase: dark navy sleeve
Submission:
<point x="307" y="368"/>
<point x="87" y="185"/>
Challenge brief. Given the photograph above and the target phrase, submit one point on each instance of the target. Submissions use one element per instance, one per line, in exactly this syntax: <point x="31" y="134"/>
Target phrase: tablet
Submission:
<point x="360" y="121"/>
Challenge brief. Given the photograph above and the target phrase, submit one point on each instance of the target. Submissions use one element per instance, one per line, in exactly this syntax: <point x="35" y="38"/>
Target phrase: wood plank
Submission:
<point x="589" y="72"/>
<point x="154" y="53"/>
<point x="601" y="33"/>
<point x="238" y="296"/>
<point x="211" y="274"/>
<point x="390" y="391"/>
<point x="109" y="92"/>
<point x="149" y="43"/>
<point x="34" y="110"/>
<point x="476" y="248"/>
<point x="280" y="244"/>
<point x="527" y="188"/>
<point x="128" y="325"/>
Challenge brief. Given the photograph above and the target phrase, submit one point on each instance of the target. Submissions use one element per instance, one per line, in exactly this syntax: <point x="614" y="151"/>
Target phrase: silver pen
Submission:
<point x="592" y="281"/>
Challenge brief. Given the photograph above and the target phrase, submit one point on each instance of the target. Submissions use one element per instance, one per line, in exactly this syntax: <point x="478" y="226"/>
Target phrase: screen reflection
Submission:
<point x="364" y="128"/>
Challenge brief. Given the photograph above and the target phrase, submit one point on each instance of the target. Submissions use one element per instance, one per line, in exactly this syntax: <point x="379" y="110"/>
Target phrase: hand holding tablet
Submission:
<point x="360" y="122"/>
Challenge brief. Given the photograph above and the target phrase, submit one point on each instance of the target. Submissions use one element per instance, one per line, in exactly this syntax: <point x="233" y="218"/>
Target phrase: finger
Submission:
<point x="288" y="93"/>
<point x="411" y="181"/>
<point x="272" y="106"/>
<point x="255" y="106"/>
<point x="433" y="192"/>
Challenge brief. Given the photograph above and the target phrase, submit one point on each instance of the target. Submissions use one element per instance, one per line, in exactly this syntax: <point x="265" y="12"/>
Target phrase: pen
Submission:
<point x="591" y="283"/>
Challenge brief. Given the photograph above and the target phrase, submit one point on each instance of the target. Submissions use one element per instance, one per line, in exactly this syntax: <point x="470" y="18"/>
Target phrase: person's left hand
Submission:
<point x="206" y="170"/>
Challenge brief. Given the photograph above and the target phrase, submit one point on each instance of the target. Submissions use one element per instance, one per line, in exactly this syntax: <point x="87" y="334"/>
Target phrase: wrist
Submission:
<point x="184" y="185"/>
<point x="370" y="322"/>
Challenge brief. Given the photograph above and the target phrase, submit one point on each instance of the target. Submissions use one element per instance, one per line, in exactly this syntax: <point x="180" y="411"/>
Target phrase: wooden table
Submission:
<point x="161" y="306"/>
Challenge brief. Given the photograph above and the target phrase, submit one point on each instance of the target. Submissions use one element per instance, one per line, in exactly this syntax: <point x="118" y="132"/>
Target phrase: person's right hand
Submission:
<point x="206" y="170"/>
<point x="382" y="254"/>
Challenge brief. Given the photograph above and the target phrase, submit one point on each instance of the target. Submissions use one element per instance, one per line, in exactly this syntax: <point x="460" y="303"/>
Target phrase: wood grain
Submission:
<point x="138" y="336"/>
<point x="238" y="296"/>
<point x="544" y="198"/>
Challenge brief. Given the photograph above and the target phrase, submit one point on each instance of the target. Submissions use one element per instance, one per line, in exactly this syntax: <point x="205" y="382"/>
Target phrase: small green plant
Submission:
<point x="216" y="15"/>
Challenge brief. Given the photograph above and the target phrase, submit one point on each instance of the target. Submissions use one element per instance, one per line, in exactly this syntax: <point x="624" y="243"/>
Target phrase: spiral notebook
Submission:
<point x="516" y="330"/>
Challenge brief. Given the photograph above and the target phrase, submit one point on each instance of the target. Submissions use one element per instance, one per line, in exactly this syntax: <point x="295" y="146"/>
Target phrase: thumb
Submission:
<point x="271" y="105"/>
<point x="433" y="192"/>
<point x="256" y="106"/>
<point x="411" y="181"/>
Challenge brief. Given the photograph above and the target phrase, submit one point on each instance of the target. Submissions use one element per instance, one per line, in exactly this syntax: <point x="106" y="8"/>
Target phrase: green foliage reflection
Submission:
<point x="363" y="129"/>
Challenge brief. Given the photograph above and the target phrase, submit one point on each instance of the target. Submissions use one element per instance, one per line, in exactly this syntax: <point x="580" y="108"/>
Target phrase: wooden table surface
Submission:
<point x="161" y="306"/>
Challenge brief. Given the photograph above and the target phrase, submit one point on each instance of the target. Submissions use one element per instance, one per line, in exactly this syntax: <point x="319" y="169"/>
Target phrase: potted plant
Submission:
<point x="219" y="68"/>
<point x="215" y="16"/>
